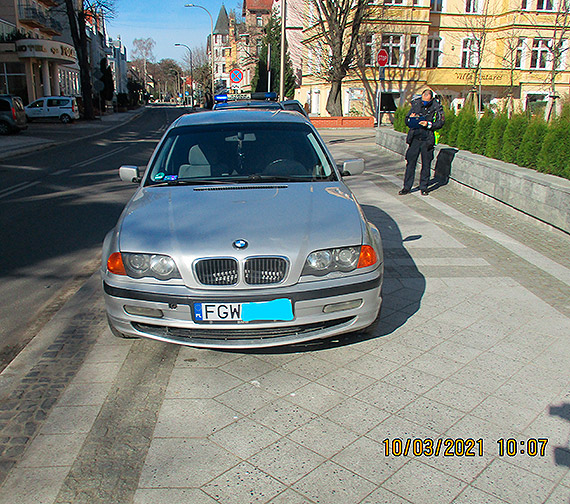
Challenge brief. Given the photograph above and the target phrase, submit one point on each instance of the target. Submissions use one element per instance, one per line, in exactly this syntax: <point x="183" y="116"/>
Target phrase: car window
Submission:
<point x="4" y="105"/>
<point x="241" y="152"/>
<point x="36" y="104"/>
<point x="56" y="102"/>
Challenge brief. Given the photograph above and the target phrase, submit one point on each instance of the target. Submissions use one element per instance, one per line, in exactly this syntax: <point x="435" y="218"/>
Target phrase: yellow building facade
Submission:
<point x="495" y="49"/>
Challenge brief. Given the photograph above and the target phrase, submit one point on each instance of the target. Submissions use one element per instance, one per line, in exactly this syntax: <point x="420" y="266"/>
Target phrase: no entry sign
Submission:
<point x="382" y="58"/>
<point x="236" y="75"/>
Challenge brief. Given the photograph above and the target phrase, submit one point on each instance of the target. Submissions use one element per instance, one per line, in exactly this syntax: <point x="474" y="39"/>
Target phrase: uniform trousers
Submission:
<point x="416" y="147"/>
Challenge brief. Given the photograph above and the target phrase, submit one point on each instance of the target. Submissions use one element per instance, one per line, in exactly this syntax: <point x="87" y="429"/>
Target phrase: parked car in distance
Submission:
<point x="63" y="108"/>
<point x="12" y="114"/>
<point x="242" y="234"/>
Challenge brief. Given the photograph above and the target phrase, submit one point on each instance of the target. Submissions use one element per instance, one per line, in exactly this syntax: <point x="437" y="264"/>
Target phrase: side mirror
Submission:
<point x="129" y="174"/>
<point x="353" y="167"/>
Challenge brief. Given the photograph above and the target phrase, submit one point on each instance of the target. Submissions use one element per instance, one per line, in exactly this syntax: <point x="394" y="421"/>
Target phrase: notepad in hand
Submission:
<point x="414" y="122"/>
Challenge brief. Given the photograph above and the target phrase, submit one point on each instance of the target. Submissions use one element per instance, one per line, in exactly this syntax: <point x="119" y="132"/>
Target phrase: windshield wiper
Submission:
<point x="195" y="181"/>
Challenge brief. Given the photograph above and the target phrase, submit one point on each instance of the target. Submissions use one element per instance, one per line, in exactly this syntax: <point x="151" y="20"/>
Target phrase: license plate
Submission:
<point x="276" y="310"/>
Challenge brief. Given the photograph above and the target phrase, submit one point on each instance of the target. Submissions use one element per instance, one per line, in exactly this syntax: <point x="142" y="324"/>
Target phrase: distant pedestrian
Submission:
<point x="424" y="118"/>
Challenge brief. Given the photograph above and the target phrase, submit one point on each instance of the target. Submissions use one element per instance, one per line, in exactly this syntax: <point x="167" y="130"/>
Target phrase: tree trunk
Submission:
<point x="79" y="36"/>
<point x="334" y="102"/>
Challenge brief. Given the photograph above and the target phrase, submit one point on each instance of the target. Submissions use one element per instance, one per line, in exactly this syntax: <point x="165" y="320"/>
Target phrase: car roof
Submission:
<point x="240" y="115"/>
<point x="264" y="104"/>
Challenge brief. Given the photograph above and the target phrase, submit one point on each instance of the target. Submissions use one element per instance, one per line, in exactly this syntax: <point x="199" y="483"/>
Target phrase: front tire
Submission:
<point x="4" y="128"/>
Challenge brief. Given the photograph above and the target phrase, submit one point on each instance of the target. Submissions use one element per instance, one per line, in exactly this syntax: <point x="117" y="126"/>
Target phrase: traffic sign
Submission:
<point x="382" y="58"/>
<point x="236" y="75"/>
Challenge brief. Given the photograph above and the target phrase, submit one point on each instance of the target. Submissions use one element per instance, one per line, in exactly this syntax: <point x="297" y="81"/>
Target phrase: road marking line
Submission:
<point x="99" y="158"/>
<point x="19" y="188"/>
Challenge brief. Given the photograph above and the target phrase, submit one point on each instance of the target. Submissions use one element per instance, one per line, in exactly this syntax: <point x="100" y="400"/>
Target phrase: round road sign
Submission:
<point x="382" y="58"/>
<point x="236" y="75"/>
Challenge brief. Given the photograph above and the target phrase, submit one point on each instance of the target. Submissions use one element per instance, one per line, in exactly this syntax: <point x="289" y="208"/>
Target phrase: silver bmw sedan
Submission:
<point x="241" y="234"/>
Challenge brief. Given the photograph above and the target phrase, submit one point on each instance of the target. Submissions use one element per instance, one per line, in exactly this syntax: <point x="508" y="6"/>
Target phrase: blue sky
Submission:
<point x="167" y="22"/>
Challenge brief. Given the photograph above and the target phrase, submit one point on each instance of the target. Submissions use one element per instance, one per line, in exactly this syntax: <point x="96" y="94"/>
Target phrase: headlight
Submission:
<point x="322" y="262"/>
<point x="158" y="266"/>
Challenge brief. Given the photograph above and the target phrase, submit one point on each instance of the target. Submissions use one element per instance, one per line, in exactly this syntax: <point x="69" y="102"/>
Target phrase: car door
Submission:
<point x="52" y="108"/>
<point x="35" y="109"/>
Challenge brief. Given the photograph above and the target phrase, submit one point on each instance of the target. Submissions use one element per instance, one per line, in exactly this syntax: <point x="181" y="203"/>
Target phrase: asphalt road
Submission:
<point x="56" y="206"/>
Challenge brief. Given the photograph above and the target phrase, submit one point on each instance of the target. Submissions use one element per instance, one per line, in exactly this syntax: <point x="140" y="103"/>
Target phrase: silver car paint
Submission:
<point x="292" y="220"/>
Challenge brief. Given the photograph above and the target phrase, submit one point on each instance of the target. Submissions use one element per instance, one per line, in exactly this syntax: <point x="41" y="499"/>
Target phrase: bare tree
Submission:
<point x="338" y="23"/>
<point x="478" y="26"/>
<point x="552" y="40"/>
<point x="513" y="45"/>
<point x="77" y="14"/>
<point x="143" y="54"/>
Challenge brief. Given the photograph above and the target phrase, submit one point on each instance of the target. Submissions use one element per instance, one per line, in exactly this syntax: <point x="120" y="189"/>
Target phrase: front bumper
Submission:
<point x="176" y="325"/>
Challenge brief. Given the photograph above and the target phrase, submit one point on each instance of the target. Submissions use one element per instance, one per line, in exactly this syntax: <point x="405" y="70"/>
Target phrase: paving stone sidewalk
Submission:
<point x="473" y="344"/>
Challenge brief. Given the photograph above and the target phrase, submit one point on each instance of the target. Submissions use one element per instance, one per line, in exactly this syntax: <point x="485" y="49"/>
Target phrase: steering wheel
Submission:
<point x="285" y="167"/>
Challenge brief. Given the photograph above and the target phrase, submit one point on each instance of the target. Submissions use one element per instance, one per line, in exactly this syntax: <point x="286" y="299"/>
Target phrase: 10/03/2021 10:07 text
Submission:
<point x="460" y="447"/>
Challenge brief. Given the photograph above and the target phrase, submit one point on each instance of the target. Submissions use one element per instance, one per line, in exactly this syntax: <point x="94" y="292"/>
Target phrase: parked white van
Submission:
<point x="63" y="108"/>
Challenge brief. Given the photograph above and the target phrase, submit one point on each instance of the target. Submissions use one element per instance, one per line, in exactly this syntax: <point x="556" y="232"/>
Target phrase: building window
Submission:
<point x="224" y="68"/>
<point x="414" y="43"/>
<point x="472" y="6"/>
<point x="433" y="52"/>
<point x="258" y="47"/>
<point x="392" y="44"/>
<point x="524" y="4"/>
<point x="436" y="5"/>
<point x="393" y="2"/>
<point x="539" y="54"/>
<point x="367" y="44"/>
<point x="519" y="54"/>
<point x="259" y="20"/>
<point x="470" y="53"/>
<point x="544" y="5"/>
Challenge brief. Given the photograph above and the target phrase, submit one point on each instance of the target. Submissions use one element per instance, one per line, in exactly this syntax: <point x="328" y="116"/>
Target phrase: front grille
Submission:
<point x="181" y="334"/>
<point x="265" y="270"/>
<point x="217" y="271"/>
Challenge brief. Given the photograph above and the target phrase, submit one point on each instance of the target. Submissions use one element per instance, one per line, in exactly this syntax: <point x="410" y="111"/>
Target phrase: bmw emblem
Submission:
<point x="240" y="244"/>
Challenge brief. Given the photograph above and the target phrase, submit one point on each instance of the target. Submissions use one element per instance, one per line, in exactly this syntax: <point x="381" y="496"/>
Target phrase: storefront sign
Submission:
<point x="466" y="77"/>
<point x="46" y="49"/>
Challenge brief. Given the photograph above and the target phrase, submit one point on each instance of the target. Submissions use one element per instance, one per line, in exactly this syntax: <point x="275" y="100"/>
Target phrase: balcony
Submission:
<point x="35" y="18"/>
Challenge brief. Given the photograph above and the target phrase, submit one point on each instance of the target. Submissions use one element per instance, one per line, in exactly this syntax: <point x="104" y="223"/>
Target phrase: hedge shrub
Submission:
<point x="400" y="119"/>
<point x="495" y="137"/>
<point x="450" y="118"/>
<point x="528" y="142"/>
<point x="532" y="143"/>
<point x="513" y="136"/>
<point x="482" y="132"/>
<point x="466" y="128"/>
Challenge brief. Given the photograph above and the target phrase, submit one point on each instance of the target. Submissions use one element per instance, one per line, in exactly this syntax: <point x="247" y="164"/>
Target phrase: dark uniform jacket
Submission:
<point x="433" y="114"/>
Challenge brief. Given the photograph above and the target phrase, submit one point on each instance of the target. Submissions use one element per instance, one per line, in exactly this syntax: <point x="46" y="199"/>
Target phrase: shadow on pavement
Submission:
<point x="561" y="453"/>
<point x="442" y="168"/>
<point x="402" y="291"/>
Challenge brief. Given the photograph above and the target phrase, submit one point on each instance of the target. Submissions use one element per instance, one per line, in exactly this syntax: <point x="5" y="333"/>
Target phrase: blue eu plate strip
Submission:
<point x="279" y="309"/>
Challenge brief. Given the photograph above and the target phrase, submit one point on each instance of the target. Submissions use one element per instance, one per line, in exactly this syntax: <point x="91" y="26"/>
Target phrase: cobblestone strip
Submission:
<point x="24" y="410"/>
<point x="109" y="464"/>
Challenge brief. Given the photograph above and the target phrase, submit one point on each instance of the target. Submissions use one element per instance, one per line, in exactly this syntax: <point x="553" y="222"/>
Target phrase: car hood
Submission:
<point x="190" y="222"/>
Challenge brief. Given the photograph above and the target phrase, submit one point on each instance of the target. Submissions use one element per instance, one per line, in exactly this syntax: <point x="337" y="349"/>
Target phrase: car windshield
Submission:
<point x="254" y="152"/>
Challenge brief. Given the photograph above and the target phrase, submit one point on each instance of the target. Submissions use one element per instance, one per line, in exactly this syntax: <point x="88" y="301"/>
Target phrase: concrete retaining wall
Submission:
<point x="545" y="197"/>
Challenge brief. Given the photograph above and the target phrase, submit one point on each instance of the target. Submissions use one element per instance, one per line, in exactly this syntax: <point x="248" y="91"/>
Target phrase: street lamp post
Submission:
<point x="191" y="74"/>
<point x="211" y="39"/>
